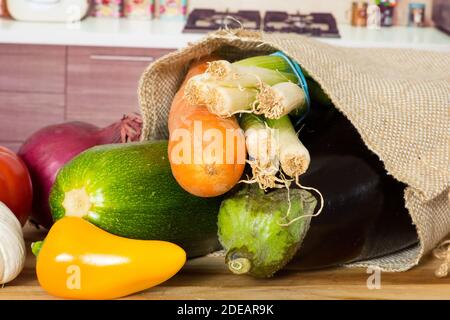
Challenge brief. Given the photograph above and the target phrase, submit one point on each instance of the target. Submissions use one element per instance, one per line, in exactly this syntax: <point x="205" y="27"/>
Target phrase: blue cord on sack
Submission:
<point x="301" y="81"/>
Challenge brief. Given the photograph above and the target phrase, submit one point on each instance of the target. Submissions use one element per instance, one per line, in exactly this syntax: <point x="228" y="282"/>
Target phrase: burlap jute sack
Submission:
<point x="398" y="100"/>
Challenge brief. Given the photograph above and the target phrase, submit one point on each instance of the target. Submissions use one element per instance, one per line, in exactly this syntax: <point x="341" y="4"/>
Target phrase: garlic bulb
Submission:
<point x="12" y="245"/>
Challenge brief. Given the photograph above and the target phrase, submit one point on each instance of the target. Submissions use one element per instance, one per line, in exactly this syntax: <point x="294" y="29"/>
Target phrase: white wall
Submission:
<point x="339" y="8"/>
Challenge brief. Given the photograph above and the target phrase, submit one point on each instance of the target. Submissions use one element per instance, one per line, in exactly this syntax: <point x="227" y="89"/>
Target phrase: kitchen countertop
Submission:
<point x="208" y="278"/>
<point x="168" y="34"/>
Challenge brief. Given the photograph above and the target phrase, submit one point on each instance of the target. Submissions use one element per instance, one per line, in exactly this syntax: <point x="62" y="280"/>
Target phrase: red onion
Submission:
<point x="46" y="151"/>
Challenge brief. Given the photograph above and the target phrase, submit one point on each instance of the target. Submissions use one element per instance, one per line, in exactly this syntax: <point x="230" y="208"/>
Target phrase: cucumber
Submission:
<point x="129" y="190"/>
<point x="255" y="231"/>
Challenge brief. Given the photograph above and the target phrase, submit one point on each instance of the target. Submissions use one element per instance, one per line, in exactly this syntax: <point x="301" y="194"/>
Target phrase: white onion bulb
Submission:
<point x="12" y="245"/>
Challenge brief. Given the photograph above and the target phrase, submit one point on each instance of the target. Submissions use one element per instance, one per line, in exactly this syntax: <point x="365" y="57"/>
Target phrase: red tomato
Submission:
<point x="15" y="185"/>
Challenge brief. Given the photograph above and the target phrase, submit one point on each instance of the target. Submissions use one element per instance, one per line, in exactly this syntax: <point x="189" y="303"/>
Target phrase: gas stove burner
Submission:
<point x="313" y="24"/>
<point x="204" y="20"/>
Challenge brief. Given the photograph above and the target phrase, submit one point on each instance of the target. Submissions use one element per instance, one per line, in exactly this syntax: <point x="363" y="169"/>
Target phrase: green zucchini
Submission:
<point x="129" y="190"/>
<point x="258" y="236"/>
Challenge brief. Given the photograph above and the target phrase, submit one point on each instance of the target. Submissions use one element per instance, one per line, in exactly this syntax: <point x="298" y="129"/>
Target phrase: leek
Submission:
<point x="269" y="62"/>
<point x="280" y="99"/>
<point x="235" y="75"/>
<point x="225" y="102"/>
<point x="222" y="101"/>
<point x="262" y="148"/>
<point x="196" y="89"/>
<point x="294" y="157"/>
<point x="259" y="84"/>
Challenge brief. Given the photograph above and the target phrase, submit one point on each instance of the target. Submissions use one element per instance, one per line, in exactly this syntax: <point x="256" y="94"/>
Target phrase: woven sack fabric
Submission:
<point x="397" y="99"/>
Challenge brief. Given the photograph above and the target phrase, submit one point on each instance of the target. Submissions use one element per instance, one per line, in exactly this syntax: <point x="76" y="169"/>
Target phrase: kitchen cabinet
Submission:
<point x="23" y="113"/>
<point x="102" y="83"/>
<point x="28" y="68"/>
<point x="42" y="85"/>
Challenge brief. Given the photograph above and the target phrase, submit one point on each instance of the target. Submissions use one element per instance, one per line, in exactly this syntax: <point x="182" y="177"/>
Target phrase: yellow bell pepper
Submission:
<point x="77" y="260"/>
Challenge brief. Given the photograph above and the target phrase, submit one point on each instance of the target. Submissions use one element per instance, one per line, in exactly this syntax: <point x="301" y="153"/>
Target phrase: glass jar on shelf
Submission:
<point x="416" y="14"/>
<point x="107" y="8"/>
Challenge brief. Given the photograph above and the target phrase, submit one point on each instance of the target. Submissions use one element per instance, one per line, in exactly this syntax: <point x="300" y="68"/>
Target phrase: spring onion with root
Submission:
<point x="262" y="148"/>
<point x="264" y="85"/>
<point x="270" y="145"/>
<point x="221" y="101"/>
<point x="195" y="90"/>
<point x="279" y="100"/>
<point x="294" y="157"/>
<point x="225" y="102"/>
<point x="269" y="62"/>
<point x="273" y="144"/>
<point x="234" y="75"/>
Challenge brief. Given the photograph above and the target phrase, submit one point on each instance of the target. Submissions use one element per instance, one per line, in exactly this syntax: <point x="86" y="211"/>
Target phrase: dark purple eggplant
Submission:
<point x="364" y="215"/>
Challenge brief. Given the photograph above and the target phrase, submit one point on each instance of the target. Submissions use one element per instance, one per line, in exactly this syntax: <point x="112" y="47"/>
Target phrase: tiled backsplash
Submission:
<point x="340" y="8"/>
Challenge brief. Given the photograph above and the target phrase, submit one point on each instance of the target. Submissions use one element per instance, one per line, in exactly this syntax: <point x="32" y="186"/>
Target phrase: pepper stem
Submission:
<point x="36" y="247"/>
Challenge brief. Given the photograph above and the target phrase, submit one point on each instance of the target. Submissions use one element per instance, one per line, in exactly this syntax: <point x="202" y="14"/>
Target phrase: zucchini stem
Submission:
<point x="77" y="203"/>
<point x="238" y="261"/>
<point x="239" y="265"/>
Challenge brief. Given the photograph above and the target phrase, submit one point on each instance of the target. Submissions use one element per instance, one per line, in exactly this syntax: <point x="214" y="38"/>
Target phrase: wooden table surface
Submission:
<point x="208" y="278"/>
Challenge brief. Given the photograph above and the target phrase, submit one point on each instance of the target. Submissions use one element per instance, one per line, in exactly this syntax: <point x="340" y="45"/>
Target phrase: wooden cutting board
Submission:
<point x="208" y="278"/>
